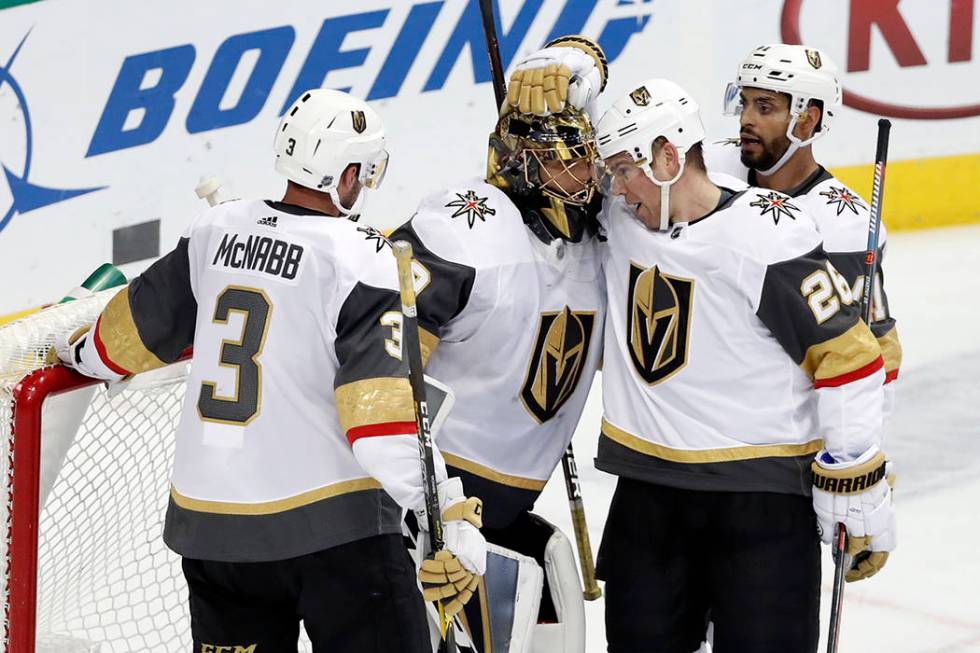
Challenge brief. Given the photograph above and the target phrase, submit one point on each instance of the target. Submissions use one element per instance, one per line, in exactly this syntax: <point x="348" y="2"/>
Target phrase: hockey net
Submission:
<point x="95" y="464"/>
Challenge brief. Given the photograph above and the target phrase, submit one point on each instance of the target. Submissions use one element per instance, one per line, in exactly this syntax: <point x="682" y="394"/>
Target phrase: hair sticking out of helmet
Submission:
<point x="804" y="74"/>
<point x="658" y="108"/>
<point x="547" y="157"/>
<point x="323" y="133"/>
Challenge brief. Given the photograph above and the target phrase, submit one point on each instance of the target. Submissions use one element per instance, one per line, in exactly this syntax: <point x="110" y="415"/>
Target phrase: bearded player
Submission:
<point x="787" y="97"/>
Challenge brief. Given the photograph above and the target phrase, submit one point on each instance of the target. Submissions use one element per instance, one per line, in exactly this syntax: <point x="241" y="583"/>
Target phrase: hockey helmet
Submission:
<point x="550" y="158"/>
<point x="657" y="108"/>
<point x="321" y="134"/>
<point x="802" y="73"/>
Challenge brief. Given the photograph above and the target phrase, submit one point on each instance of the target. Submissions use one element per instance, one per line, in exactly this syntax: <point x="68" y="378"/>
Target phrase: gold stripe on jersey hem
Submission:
<point x="728" y="454"/>
<point x="428" y="342"/>
<point x="485" y="472"/>
<point x="851" y="350"/>
<point x="121" y="339"/>
<point x="891" y="349"/>
<point x="374" y="401"/>
<point x="273" y="507"/>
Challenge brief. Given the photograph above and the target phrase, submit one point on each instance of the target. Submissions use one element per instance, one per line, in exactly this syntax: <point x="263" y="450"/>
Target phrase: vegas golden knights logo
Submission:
<point x="641" y="96"/>
<point x="813" y="56"/>
<point x="557" y="361"/>
<point x="658" y="322"/>
<point x="359" y="121"/>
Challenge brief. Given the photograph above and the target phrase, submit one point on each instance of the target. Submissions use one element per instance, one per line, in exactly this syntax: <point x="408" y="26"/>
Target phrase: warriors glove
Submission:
<point x="570" y="70"/>
<point x="859" y="495"/>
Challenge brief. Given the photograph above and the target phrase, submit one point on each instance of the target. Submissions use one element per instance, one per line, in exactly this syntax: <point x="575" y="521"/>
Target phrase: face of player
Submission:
<point x="567" y="178"/>
<point x="622" y="177"/>
<point x="764" y="119"/>
<point x="350" y="186"/>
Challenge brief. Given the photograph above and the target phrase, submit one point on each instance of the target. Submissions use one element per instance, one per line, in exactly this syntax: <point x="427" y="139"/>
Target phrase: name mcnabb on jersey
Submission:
<point x="259" y="253"/>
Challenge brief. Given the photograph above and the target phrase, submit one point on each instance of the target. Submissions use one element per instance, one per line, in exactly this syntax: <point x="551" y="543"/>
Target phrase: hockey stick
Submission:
<point x="874" y="224"/>
<point x="592" y="591"/>
<point x="837" y="597"/>
<point x="493" y="52"/>
<point x="841" y="559"/>
<point x="413" y="351"/>
<point x="574" y="490"/>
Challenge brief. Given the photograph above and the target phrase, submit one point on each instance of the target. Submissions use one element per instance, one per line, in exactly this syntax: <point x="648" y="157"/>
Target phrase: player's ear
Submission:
<point x="348" y="178"/>
<point x="807" y="123"/>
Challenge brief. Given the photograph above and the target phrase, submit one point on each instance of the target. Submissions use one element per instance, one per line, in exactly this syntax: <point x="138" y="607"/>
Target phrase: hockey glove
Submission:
<point x="859" y="495"/>
<point x="75" y="351"/>
<point x="453" y="573"/>
<point x="570" y="70"/>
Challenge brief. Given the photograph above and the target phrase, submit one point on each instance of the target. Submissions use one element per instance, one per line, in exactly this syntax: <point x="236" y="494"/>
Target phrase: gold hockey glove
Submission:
<point x="569" y="70"/>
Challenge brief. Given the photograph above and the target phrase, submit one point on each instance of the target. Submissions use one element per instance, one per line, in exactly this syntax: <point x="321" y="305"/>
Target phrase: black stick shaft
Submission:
<point x="837" y="597"/>
<point x="412" y="350"/>
<point x="493" y="51"/>
<point x="874" y="223"/>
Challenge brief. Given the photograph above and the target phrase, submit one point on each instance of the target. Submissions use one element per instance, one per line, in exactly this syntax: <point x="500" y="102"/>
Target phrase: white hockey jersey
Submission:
<point x="842" y="218"/>
<point x="733" y="350"/>
<point x="292" y="379"/>
<point x="519" y="330"/>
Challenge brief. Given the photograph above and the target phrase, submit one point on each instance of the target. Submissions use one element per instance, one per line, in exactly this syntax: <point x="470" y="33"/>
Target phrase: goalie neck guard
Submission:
<point x="545" y="165"/>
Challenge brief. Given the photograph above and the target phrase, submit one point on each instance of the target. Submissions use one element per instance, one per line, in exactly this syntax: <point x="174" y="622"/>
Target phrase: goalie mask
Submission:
<point x="545" y="165"/>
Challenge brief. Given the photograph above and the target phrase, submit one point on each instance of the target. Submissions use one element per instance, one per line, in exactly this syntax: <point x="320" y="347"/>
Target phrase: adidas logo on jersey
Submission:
<point x="269" y="221"/>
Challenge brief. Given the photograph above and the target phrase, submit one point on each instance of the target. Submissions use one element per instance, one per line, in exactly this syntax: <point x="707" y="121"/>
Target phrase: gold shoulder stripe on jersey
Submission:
<point x="728" y="454"/>
<point x="428" y="341"/>
<point x="658" y="322"/>
<point x="121" y="339"/>
<point x="850" y="351"/>
<point x="279" y="505"/>
<point x="485" y="472"/>
<point x="374" y="401"/>
<point x="558" y="359"/>
<point x="891" y="350"/>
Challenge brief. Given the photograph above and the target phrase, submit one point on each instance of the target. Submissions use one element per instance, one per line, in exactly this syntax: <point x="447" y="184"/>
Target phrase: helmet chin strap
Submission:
<point x="794" y="144"/>
<point x="665" y="191"/>
<point x="345" y="212"/>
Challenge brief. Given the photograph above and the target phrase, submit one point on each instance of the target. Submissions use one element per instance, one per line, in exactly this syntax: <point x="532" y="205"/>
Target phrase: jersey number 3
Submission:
<point x="240" y="355"/>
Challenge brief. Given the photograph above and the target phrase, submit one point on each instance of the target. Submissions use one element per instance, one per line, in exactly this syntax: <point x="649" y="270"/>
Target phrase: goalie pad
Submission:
<point x="568" y="635"/>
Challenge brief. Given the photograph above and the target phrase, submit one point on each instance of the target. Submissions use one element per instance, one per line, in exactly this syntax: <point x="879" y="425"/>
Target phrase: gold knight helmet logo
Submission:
<point x="658" y="322"/>
<point x="641" y="96"/>
<point x="813" y="56"/>
<point x="557" y="361"/>
<point x="358" y="121"/>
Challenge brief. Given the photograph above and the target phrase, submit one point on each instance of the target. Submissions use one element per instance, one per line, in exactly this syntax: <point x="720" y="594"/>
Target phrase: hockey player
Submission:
<point x="296" y="450"/>
<point x="512" y="302"/>
<point x="735" y="361"/>
<point x="786" y="97"/>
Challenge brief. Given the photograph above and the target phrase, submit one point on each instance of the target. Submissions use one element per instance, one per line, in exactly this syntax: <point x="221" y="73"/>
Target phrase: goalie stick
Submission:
<point x="572" y="488"/>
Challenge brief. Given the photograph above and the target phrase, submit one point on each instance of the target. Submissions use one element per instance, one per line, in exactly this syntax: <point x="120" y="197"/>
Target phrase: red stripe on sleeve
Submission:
<point x="891" y="376"/>
<point x="100" y="347"/>
<point x="374" y="430"/>
<point x="856" y="375"/>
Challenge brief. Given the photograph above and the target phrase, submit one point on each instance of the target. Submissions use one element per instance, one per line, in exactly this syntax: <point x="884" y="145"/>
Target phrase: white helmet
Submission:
<point x="658" y="107"/>
<point x="803" y="73"/>
<point x="324" y="132"/>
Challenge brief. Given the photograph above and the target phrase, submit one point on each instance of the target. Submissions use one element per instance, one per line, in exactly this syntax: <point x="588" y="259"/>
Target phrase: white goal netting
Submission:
<point x="105" y="580"/>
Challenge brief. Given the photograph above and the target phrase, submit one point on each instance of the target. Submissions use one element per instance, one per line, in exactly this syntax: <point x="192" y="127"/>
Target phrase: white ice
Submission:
<point x="926" y="599"/>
